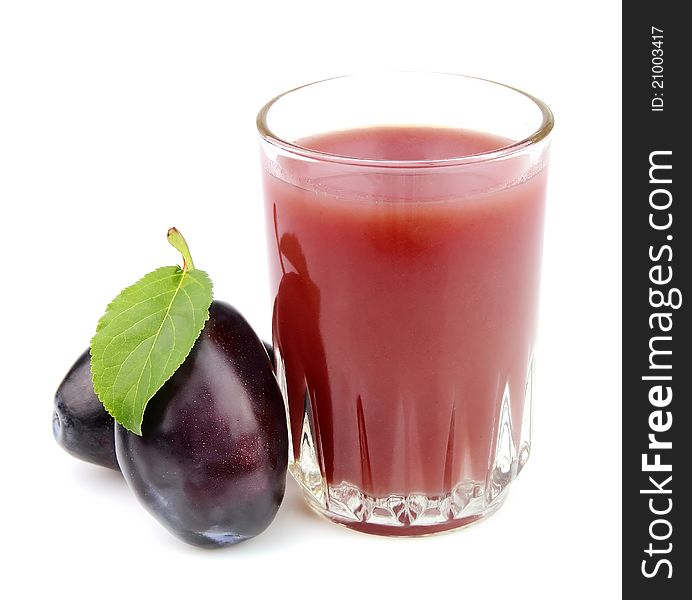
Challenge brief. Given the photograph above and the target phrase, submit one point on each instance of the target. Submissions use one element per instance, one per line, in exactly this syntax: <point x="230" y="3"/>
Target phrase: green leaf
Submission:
<point x="144" y="336"/>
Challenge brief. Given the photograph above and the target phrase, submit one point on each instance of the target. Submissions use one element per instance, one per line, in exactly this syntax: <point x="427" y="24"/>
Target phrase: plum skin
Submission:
<point x="211" y="462"/>
<point x="270" y="352"/>
<point x="81" y="424"/>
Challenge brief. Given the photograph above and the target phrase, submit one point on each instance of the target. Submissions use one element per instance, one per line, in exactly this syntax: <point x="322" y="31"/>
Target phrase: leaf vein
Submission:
<point x="136" y="304"/>
<point x="128" y="328"/>
<point x="122" y="364"/>
<point x="156" y="336"/>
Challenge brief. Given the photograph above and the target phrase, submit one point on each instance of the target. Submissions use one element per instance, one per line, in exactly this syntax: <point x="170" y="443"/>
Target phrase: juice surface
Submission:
<point x="405" y="304"/>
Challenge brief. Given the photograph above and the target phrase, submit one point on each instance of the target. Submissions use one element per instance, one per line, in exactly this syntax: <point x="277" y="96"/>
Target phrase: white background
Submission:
<point x="120" y="119"/>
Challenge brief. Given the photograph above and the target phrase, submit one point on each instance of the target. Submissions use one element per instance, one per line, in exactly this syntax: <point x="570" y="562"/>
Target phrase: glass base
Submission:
<point x="412" y="516"/>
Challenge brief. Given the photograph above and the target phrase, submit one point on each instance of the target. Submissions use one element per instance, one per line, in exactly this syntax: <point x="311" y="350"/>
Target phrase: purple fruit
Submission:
<point x="80" y="423"/>
<point x="211" y="462"/>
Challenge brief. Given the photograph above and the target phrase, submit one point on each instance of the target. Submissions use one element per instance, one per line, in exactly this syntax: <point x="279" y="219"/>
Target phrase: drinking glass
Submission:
<point x="404" y="217"/>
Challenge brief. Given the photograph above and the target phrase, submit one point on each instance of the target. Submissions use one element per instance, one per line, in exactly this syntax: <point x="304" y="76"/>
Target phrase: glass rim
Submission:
<point x="541" y="133"/>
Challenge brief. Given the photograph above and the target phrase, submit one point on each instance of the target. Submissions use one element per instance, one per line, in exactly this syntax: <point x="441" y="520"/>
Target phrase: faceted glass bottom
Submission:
<point x="399" y="516"/>
<point x="415" y="514"/>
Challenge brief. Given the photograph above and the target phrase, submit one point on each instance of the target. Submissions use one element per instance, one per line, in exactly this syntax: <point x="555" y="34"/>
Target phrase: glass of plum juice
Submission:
<point x="404" y="219"/>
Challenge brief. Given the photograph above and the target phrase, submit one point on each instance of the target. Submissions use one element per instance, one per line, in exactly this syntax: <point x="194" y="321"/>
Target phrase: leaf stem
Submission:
<point x="176" y="239"/>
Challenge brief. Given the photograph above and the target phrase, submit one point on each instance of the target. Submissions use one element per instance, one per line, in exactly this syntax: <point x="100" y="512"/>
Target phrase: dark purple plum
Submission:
<point x="211" y="462"/>
<point x="80" y="423"/>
